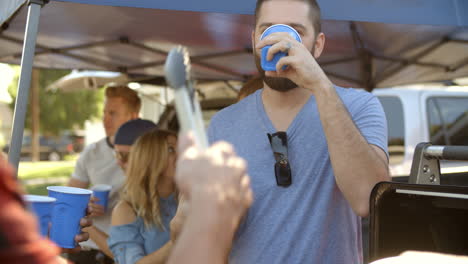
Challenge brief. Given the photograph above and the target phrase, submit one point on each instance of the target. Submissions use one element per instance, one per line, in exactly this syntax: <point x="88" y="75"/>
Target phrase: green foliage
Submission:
<point x="60" y="111"/>
<point x="39" y="189"/>
<point x="12" y="89"/>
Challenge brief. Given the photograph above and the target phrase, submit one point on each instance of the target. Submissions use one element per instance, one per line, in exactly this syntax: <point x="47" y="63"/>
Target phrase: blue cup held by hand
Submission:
<point x="271" y="65"/>
<point x="42" y="207"/>
<point x="70" y="207"/>
<point x="101" y="191"/>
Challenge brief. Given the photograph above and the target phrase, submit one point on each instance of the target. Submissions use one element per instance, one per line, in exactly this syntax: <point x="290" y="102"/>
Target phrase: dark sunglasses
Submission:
<point x="122" y="156"/>
<point x="279" y="145"/>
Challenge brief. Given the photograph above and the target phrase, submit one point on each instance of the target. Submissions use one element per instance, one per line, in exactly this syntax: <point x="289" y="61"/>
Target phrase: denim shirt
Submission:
<point x="131" y="242"/>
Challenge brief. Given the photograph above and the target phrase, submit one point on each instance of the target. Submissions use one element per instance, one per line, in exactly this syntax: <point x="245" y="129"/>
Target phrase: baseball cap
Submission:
<point x="128" y="133"/>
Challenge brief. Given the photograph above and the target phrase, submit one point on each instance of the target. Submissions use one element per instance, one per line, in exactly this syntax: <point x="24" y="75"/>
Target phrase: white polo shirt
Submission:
<point x="97" y="165"/>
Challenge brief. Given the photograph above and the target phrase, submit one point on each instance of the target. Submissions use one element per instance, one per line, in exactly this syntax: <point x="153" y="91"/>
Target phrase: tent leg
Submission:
<point x="365" y="58"/>
<point x="34" y="10"/>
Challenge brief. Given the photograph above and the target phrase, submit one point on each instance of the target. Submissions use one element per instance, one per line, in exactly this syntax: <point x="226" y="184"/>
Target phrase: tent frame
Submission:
<point x="21" y="104"/>
<point x="364" y="56"/>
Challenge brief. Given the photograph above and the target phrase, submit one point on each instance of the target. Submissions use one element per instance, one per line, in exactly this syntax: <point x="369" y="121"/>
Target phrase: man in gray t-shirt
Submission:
<point x="336" y="144"/>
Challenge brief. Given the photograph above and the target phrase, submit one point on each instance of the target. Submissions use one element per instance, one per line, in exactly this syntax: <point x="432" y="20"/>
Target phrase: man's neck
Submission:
<point x="285" y="100"/>
<point x="282" y="107"/>
<point x="110" y="141"/>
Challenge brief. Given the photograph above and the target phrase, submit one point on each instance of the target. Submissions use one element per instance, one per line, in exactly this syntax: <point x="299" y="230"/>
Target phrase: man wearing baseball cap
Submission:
<point x="124" y="138"/>
<point x="127" y="134"/>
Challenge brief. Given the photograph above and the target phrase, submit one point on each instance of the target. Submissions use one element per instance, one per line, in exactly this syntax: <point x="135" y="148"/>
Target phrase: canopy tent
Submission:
<point x="136" y="40"/>
<point x="368" y="44"/>
<point x="430" y="12"/>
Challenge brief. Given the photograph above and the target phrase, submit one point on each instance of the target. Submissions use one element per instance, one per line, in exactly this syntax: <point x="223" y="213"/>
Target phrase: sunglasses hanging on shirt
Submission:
<point x="279" y="145"/>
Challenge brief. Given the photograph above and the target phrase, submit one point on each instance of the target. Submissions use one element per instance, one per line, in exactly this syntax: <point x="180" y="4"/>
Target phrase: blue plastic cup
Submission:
<point x="69" y="208"/>
<point x="271" y="65"/>
<point x="101" y="191"/>
<point x="42" y="207"/>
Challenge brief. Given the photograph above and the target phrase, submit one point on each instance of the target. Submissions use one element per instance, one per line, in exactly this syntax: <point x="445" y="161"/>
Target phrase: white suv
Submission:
<point x="425" y="114"/>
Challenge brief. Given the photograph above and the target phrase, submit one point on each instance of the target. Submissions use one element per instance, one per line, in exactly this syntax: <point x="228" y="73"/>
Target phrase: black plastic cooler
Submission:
<point x="423" y="217"/>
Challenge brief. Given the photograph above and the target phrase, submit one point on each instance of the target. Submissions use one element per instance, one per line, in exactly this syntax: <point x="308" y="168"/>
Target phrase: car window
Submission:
<point x="396" y="127"/>
<point x="448" y="120"/>
<point x="26" y="141"/>
<point x="43" y="141"/>
<point x="436" y="131"/>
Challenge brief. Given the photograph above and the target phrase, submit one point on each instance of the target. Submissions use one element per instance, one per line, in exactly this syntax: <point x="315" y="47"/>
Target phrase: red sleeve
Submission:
<point x="20" y="241"/>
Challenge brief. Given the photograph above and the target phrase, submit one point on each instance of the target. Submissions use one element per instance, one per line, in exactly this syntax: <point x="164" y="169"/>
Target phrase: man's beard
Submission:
<point x="276" y="83"/>
<point x="279" y="84"/>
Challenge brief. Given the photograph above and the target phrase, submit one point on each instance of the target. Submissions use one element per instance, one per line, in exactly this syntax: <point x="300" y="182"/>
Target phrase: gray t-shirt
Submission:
<point x="310" y="221"/>
<point x="97" y="165"/>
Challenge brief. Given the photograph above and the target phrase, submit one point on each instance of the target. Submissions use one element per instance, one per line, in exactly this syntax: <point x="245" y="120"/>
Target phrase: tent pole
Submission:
<point x="344" y="78"/>
<point x="32" y="24"/>
<point x="388" y="73"/>
<point x="47" y="50"/>
<point x="365" y="58"/>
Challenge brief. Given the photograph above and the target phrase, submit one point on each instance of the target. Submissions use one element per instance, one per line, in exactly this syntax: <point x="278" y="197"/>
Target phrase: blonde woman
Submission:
<point x="140" y="230"/>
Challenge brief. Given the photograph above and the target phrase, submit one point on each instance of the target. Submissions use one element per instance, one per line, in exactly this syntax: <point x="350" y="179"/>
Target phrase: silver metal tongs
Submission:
<point x="177" y="71"/>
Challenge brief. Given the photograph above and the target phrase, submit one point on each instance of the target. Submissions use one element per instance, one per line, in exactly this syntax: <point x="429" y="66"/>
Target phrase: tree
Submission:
<point x="61" y="111"/>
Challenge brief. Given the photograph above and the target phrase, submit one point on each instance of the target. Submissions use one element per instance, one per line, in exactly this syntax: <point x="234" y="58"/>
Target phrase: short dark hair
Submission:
<point x="314" y="13"/>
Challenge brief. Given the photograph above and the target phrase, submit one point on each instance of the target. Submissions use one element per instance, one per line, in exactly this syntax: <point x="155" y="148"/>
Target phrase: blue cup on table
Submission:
<point x="102" y="191"/>
<point x="70" y="207"/>
<point x="271" y="65"/>
<point x="42" y="207"/>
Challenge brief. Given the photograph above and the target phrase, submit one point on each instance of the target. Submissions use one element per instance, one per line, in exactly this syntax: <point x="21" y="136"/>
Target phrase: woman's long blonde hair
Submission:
<point x="147" y="162"/>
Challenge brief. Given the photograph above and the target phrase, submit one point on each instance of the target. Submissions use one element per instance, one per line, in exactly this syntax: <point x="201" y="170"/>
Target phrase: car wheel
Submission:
<point x="54" y="156"/>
